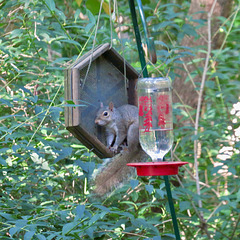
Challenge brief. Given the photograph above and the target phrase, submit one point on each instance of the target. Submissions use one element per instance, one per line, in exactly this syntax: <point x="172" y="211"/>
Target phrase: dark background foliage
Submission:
<point x="45" y="172"/>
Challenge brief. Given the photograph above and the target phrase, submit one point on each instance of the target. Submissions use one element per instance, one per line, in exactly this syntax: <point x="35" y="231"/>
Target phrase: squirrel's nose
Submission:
<point x="96" y="121"/>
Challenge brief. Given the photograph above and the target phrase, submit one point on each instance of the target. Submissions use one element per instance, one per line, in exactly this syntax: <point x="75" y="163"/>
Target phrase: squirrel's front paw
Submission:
<point x="114" y="149"/>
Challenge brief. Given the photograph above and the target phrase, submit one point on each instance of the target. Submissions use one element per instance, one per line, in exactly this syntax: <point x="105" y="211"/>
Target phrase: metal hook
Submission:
<point x="149" y="39"/>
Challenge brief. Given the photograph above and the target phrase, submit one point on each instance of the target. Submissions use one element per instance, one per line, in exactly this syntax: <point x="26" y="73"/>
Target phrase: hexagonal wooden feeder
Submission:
<point x="101" y="75"/>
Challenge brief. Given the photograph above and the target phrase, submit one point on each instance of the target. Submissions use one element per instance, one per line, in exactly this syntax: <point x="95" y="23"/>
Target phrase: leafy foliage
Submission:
<point x="45" y="172"/>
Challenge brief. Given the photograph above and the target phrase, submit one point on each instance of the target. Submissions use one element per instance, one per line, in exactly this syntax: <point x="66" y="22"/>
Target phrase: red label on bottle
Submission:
<point x="145" y="110"/>
<point x="163" y="109"/>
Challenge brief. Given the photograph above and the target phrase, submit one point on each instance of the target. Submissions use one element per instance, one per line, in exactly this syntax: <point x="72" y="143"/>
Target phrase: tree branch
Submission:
<point x="204" y="76"/>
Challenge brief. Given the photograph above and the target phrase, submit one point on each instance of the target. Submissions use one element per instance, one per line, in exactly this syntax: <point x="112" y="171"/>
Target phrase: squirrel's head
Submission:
<point x="104" y="115"/>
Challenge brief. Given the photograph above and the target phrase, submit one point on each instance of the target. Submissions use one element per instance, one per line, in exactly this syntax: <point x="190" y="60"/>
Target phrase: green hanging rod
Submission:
<point x="149" y="39"/>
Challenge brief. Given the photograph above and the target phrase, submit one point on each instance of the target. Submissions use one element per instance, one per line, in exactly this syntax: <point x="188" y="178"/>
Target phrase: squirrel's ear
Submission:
<point x="111" y="106"/>
<point x="101" y="104"/>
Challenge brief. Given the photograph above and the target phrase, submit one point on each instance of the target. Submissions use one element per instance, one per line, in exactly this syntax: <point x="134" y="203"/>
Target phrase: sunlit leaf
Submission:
<point x="78" y="2"/>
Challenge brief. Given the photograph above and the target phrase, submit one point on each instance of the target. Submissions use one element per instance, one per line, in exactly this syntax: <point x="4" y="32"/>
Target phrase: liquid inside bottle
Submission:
<point x="156" y="143"/>
<point x="155" y="116"/>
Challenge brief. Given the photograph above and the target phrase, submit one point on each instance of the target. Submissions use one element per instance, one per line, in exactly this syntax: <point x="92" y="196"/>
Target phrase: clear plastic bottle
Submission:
<point x="155" y="116"/>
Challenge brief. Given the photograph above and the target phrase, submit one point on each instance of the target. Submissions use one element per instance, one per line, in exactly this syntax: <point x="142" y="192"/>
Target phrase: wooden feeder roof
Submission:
<point x="101" y="75"/>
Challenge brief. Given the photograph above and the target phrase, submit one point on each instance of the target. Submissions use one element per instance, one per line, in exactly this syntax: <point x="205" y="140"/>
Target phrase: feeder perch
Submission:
<point x="101" y="75"/>
<point x="157" y="168"/>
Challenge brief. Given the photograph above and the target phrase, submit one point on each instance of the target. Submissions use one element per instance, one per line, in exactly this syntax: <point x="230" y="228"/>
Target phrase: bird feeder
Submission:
<point x="148" y="99"/>
<point x="157" y="168"/>
<point x="101" y="75"/>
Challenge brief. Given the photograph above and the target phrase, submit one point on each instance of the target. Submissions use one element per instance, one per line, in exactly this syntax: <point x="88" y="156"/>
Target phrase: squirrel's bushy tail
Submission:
<point x="115" y="171"/>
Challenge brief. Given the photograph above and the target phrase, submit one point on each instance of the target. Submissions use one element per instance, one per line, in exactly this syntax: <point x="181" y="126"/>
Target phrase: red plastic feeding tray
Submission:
<point x="157" y="168"/>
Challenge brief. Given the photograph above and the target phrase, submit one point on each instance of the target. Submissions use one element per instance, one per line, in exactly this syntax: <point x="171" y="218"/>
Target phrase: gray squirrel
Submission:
<point x="120" y="123"/>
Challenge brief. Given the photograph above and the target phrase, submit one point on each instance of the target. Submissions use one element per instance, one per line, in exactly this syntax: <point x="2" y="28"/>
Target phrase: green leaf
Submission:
<point x="93" y="6"/>
<point x="149" y="188"/>
<point x="168" y="5"/>
<point x="157" y="42"/>
<point x="51" y="4"/>
<point x="87" y="167"/>
<point x="7" y="216"/>
<point x="103" y="208"/>
<point x="169" y="235"/>
<point x="189" y="30"/>
<point x="90" y="232"/>
<point x="16" y="33"/>
<point x="94" y="219"/>
<point x="232" y="170"/>
<point x="6" y="102"/>
<point x="127" y="214"/>
<point x="9" y="116"/>
<point x="161" y="193"/>
<point x="210" y="84"/>
<point x="21" y="223"/>
<point x="13" y="230"/>
<point x="163" y="53"/>
<point x="3" y="161"/>
<point x="60" y="14"/>
<point x="40" y="112"/>
<point x="216" y="169"/>
<point x="194" y="137"/>
<point x="70" y="42"/>
<point x="26" y="90"/>
<point x="28" y="235"/>
<point x="134" y="183"/>
<point x="159" y="26"/>
<point x="219" y="75"/>
<point x="55" y="113"/>
<point x="92" y="21"/>
<point x="63" y="154"/>
<point x="76" y="14"/>
<point x="67" y="228"/>
<point x="139" y="222"/>
<point x="134" y="196"/>
<point x="41" y="237"/>
<point x="79" y="2"/>
<point x="184" y="205"/>
<point x="80" y="211"/>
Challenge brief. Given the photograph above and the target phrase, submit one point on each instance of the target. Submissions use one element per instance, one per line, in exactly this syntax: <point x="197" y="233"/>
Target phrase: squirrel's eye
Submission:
<point x="105" y="114"/>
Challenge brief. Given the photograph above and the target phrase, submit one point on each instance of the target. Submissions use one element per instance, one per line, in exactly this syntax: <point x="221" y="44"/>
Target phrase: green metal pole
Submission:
<point x="171" y="206"/>
<point x="138" y="38"/>
<point x="145" y="74"/>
